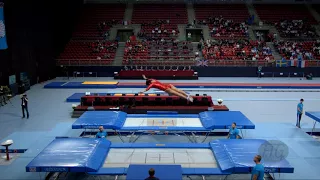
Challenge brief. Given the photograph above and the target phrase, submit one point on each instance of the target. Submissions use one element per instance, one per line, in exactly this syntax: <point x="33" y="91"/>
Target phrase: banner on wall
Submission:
<point x="3" y="39"/>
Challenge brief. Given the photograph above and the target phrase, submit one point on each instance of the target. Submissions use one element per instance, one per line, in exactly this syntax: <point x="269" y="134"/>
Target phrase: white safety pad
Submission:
<point x="187" y="158"/>
<point x="177" y="122"/>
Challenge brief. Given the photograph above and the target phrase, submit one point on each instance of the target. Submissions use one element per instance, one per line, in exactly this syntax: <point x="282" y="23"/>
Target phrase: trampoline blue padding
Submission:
<point x="71" y="155"/>
<point x="78" y="85"/>
<point x="154" y="115"/>
<point x="237" y="156"/>
<point x="315" y="115"/>
<point x="116" y="120"/>
<point x="224" y="119"/>
<point x="163" y="172"/>
<point x="76" y="97"/>
<point x="94" y="119"/>
<point x="162" y="145"/>
<point x="54" y="85"/>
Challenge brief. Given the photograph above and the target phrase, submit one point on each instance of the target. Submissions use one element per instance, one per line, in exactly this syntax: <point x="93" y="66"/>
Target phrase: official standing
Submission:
<point x="101" y="133"/>
<point x="257" y="171"/>
<point x="24" y="105"/>
<point x="299" y="112"/>
<point x="233" y="132"/>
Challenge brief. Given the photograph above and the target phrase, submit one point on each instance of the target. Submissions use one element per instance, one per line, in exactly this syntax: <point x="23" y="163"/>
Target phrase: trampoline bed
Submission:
<point x="100" y="157"/>
<point x="162" y="122"/>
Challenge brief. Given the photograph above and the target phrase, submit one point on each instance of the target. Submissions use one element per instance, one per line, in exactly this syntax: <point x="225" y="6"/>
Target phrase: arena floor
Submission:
<point x="274" y="114"/>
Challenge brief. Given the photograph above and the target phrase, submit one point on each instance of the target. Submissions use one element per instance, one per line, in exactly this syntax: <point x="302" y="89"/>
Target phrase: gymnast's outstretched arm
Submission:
<point x="147" y="89"/>
<point x="144" y="77"/>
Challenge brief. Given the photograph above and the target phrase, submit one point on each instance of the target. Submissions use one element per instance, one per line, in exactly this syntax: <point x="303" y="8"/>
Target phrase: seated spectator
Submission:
<point x="295" y="29"/>
<point x="101" y="133"/>
<point x="294" y="50"/>
<point x="151" y="175"/>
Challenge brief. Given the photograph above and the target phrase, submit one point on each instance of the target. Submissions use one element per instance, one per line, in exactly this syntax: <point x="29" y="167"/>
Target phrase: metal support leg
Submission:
<point x="205" y="138"/>
<point x="241" y="134"/>
<point x="314" y="126"/>
<point x="119" y="135"/>
<point x="137" y="137"/>
<point x="190" y="139"/>
<point x="132" y="134"/>
<point x="194" y="137"/>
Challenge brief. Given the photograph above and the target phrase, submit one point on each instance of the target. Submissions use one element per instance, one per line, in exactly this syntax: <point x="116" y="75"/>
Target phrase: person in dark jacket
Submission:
<point x="151" y="175"/>
<point x="24" y="105"/>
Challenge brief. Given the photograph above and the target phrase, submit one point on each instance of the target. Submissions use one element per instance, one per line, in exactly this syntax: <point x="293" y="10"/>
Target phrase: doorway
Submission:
<point x="124" y="34"/>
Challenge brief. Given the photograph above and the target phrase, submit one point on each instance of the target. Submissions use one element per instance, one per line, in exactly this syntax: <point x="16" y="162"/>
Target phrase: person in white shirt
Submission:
<point x="189" y="35"/>
<point x="173" y="32"/>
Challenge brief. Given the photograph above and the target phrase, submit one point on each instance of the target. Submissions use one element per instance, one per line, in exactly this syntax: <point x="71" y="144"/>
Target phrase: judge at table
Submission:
<point x="101" y="133"/>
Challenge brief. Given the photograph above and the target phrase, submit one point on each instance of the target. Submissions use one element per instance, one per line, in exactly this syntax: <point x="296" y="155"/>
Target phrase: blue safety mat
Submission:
<point x="236" y="156"/>
<point x="78" y="85"/>
<point x="54" y="85"/>
<point x="224" y="120"/>
<point x="94" y="119"/>
<point x="71" y="155"/>
<point x="163" y="172"/>
<point x="315" y="115"/>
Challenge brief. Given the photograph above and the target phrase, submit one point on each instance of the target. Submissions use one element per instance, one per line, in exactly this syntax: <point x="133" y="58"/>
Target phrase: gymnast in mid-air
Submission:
<point x="168" y="88"/>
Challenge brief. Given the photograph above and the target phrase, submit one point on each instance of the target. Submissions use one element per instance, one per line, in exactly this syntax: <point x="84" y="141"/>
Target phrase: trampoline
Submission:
<point x="315" y="115"/>
<point x="162" y="123"/>
<point x="101" y="157"/>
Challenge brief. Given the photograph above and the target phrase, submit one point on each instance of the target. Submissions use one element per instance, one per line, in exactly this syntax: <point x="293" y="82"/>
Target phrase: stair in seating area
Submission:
<point x="252" y="11"/>
<point x="275" y="53"/>
<point x="119" y="55"/>
<point x="128" y="12"/>
<point x="191" y="13"/>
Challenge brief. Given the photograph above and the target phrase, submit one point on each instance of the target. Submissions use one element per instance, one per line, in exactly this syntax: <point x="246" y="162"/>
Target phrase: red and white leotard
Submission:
<point x="158" y="85"/>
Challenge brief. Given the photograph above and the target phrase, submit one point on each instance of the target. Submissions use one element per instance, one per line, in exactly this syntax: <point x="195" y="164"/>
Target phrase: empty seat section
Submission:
<point x="93" y="16"/>
<point x="88" y="53"/>
<point x="154" y="17"/>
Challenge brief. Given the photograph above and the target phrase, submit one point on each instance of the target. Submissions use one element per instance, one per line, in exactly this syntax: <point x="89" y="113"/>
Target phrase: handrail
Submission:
<point x="220" y="63"/>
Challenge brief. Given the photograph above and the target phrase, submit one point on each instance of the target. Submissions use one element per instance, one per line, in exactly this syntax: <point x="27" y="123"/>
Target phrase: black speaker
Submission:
<point x="197" y="94"/>
<point x="123" y="94"/>
<point x="158" y="94"/>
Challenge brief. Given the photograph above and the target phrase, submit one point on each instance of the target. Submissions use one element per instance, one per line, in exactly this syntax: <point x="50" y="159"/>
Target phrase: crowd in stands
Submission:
<point x="104" y="49"/>
<point x="137" y="52"/>
<point x="295" y="29"/>
<point x="298" y="50"/>
<point x="236" y="50"/>
<point x="159" y="29"/>
<point x="224" y="28"/>
<point x="158" y="37"/>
